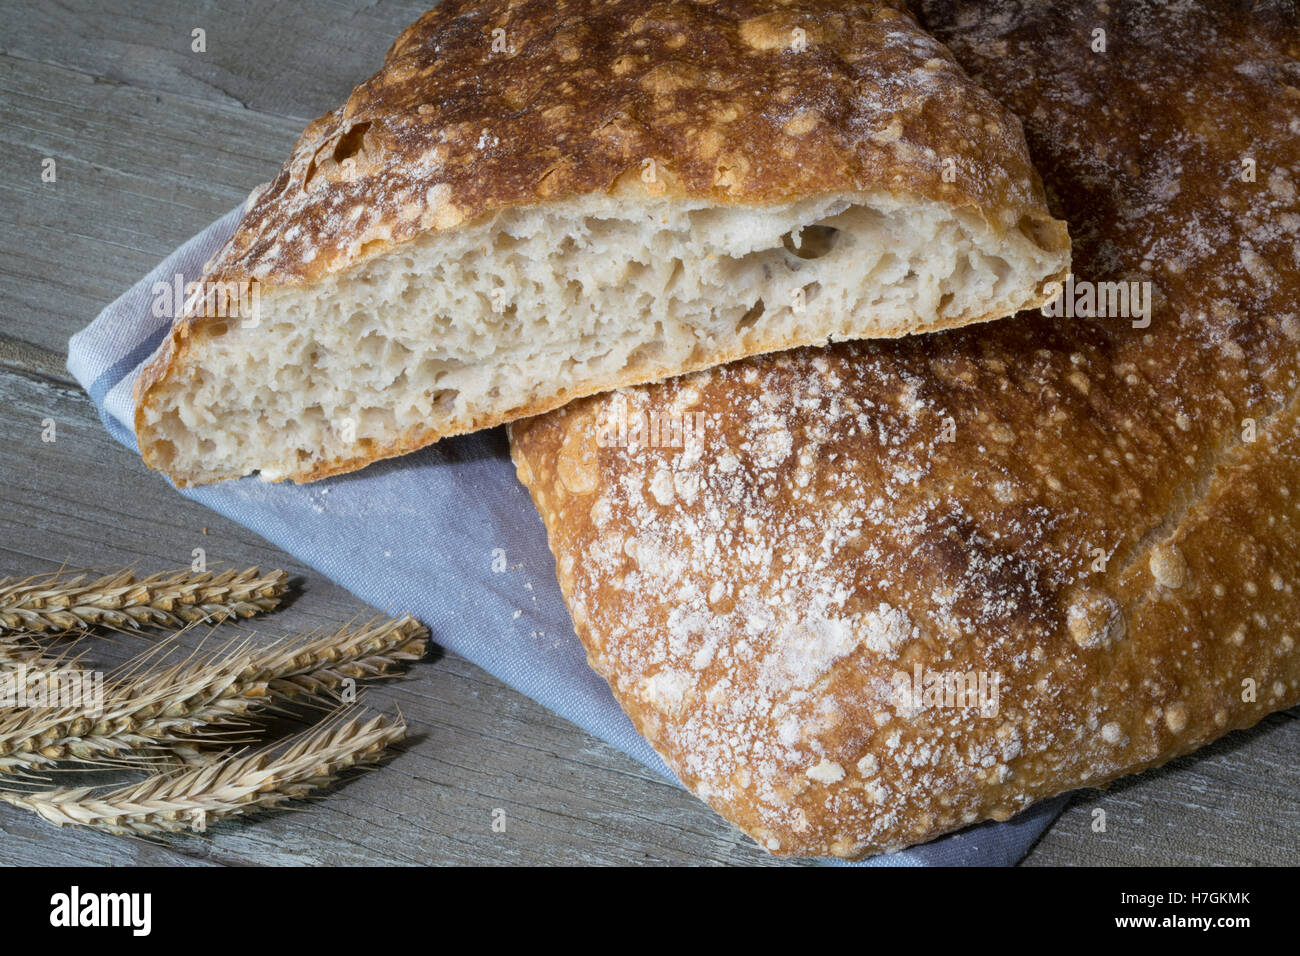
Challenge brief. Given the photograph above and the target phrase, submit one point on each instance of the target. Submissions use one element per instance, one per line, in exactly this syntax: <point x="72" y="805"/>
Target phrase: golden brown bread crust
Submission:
<point x="1114" y="526"/>
<point x="451" y="130"/>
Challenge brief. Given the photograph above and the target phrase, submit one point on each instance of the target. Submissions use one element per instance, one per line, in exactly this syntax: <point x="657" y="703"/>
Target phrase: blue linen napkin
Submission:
<point x="447" y="533"/>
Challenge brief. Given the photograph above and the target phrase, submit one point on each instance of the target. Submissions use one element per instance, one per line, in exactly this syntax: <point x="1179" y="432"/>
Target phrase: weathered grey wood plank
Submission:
<point x="137" y="175"/>
<point x="294" y="60"/>
<point x="1234" y="802"/>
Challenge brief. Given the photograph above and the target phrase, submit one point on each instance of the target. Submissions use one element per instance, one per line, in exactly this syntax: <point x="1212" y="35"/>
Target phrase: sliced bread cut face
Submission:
<point x="430" y="261"/>
<point x="436" y="338"/>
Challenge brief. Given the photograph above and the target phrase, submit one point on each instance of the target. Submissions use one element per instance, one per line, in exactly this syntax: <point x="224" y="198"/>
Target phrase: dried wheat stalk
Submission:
<point x="163" y="709"/>
<point x="48" y="603"/>
<point x="232" y="786"/>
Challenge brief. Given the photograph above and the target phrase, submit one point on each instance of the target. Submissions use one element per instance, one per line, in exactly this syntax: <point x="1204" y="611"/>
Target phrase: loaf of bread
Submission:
<point x="863" y="595"/>
<point x="536" y="201"/>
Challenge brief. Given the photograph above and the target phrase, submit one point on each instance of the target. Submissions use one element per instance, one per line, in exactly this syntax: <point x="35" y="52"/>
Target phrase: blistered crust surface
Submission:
<point x="1106" y="517"/>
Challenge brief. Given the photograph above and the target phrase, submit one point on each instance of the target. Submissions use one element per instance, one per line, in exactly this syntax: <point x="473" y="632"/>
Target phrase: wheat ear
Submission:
<point x="139" y="714"/>
<point x="232" y="786"/>
<point x="164" y="709"/>
<point x="47" y="603"/>
<point x="321" y="664"/>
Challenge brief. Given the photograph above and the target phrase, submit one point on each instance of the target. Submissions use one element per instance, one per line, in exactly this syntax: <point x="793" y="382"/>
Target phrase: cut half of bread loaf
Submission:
<point x="533" y="202"/>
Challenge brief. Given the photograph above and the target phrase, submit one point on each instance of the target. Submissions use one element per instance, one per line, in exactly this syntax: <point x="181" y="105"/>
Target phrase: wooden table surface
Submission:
<point x="152" y="141"/>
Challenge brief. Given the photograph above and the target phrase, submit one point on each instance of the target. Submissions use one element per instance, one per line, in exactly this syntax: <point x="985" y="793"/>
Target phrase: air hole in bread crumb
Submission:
<point x="748" y="320"/>
<point x="646" y="352"/>
<point x="445" y="399"/>
<point x="814" y="241"/>
<point x="1042" y="233"/>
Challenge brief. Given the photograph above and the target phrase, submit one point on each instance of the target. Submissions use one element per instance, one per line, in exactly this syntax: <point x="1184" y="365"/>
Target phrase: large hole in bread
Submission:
<point x="749" y="318"/>
<point x="810" y="242"/>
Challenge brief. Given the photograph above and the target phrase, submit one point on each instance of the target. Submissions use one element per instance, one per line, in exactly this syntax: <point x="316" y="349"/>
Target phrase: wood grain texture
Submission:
<point x="154" y="142"/>
<point x="291" y="60"/>
<point x="137" y="174"/>
<point x="1231" y="804"/>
